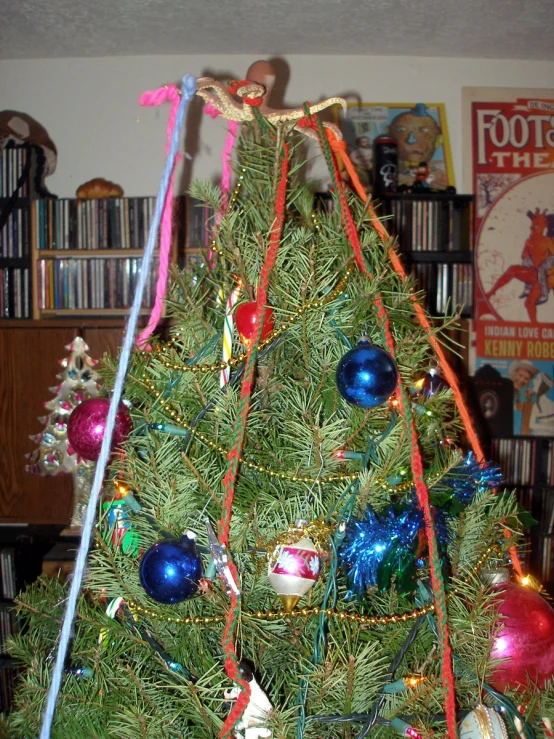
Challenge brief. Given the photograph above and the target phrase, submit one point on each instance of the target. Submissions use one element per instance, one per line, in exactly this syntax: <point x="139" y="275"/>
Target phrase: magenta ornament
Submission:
<point x="525" y="640"/>
<point x="87" y="424"/>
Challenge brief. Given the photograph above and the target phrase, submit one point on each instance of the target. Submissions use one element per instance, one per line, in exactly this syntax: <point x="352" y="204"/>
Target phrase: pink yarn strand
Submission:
<point x="230" y="139"/>
<point x="157" y="97"/>
<point x="227" y="170"/>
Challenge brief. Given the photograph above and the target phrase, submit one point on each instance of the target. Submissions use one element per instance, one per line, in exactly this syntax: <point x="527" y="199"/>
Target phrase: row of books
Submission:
<point x="546" y="547"/>
<point x="7" y="624"/>
<point x="547" y="471"/>
<point x="8" y="675"/>
<point x="94" y="283"/>
<point x="422" y="224"/>
<point x="12" y="163"/>
<point x="447" y="287"/>
<point x="516" y="458"/>
<point x="15" y="292"/>
<point x="7" y="570"/>
<point x="199" y="223"/>
<point x="15" y="239"/>
<point x="519" y="460"/>
<point x="108" y="223"/>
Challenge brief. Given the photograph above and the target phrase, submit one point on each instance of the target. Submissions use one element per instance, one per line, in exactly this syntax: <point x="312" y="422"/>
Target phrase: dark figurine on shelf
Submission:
<point x="423" y="182"/>
<point x="421" y="178"/>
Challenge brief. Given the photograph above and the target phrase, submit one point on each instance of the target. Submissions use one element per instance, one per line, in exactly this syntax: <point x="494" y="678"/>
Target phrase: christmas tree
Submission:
<point x="314" y="555"/>
<point x="79" y="381"/>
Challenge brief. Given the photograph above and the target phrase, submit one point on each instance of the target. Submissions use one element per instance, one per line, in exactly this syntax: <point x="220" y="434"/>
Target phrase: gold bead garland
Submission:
<point x="284" y="326"/>
<point x="307" y="612"/>
<point x="280" y="615"/>
<point x="293" y="476"/>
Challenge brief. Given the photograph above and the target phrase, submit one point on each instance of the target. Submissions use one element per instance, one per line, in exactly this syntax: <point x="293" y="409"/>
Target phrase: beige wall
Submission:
<point x="90" y="108"/>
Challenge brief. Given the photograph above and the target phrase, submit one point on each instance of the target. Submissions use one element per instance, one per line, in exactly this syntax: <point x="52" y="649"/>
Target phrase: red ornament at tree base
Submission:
<point x="245" y="320"/>
<point x="525" y="640"/>
<point x="87" y="424"/>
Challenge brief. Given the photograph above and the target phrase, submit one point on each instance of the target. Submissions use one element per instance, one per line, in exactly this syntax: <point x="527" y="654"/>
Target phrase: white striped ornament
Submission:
<point x="228" y="332"/>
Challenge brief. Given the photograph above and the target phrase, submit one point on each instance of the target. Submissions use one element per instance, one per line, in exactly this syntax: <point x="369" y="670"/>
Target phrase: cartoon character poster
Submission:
<point x="512" y="177"/>
<point x="419" y="129"/>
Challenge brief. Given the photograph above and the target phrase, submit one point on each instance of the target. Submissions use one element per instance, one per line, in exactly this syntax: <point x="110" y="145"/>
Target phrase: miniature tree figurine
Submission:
<point x="79" y="381"/>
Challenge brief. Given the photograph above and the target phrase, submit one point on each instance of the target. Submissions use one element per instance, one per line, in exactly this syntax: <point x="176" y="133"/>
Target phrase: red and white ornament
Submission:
<point x="293" y="570"/>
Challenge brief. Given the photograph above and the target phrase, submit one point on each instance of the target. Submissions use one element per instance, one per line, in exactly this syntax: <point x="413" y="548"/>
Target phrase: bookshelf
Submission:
<point x="17" y="176"/>
<point x="434" y="235"/>
<point x="22" y="550"/>
<point x="87" y="256"/>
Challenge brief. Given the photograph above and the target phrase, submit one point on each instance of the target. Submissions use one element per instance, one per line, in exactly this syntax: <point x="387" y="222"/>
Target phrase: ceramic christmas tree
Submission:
<point x="54" y="455"/>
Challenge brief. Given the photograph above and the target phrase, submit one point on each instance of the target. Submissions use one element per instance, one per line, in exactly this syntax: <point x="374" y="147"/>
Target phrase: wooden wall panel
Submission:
<point x="28" y="367"/>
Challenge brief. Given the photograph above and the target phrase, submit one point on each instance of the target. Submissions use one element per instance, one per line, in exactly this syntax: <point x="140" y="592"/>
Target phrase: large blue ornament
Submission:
<point x="366" y="375"/>
<point x="171" y="569"/>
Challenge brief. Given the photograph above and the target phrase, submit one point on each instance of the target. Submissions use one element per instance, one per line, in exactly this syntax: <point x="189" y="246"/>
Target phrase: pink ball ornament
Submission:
<point x="526" y="639"/>
<point x="87" y="424"/>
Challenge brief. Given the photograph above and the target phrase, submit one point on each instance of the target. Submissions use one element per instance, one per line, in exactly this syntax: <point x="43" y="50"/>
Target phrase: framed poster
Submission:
<point x="419" y="129"/>
<point x="509" y="166"/>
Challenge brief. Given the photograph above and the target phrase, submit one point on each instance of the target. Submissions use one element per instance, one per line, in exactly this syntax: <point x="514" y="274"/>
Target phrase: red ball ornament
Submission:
<point x="87" y="424"/>
<point x="526" y="638"/>
<point x="245" y="319"/>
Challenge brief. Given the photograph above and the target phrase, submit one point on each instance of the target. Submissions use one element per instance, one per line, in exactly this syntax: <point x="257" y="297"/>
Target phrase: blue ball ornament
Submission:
<point x="366" y="375"/>
<point x="171" y="569"/>
<point x="432" y="383"/>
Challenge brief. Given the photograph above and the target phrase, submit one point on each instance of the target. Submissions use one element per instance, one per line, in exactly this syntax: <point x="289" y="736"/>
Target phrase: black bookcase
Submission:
<point x="18" y="165"/>
<point x="22" y="550"/>
<point x="434" y="235"/>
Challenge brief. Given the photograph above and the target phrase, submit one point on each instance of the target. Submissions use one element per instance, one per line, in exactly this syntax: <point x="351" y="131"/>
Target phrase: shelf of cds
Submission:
<point x="16" y="177"/>
<point x="528" y="466"/>
<point x="88" y="255"/>
<point x="433" y="233"/>
<point x="22" y="549"/>
<point x="8" y="624"/>
<point x="81" y="285"/>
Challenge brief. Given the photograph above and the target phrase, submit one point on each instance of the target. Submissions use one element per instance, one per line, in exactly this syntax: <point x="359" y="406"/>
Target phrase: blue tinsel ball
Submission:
<point x="366" y="375"/>
<point x="171" y="569"/>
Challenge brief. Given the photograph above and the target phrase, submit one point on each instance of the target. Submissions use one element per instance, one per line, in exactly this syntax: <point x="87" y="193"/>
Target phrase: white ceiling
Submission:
<point x="501" y="29"/>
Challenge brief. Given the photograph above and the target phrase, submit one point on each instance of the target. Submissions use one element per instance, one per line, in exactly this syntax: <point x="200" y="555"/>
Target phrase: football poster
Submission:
<point x="510" y="170"/>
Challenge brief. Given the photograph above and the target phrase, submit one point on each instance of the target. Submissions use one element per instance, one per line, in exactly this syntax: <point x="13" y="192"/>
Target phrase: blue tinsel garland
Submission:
<point x="391" y="539"/>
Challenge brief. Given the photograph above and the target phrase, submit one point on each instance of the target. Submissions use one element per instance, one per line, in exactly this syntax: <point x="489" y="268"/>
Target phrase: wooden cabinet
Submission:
<point x="29" y="354"/>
